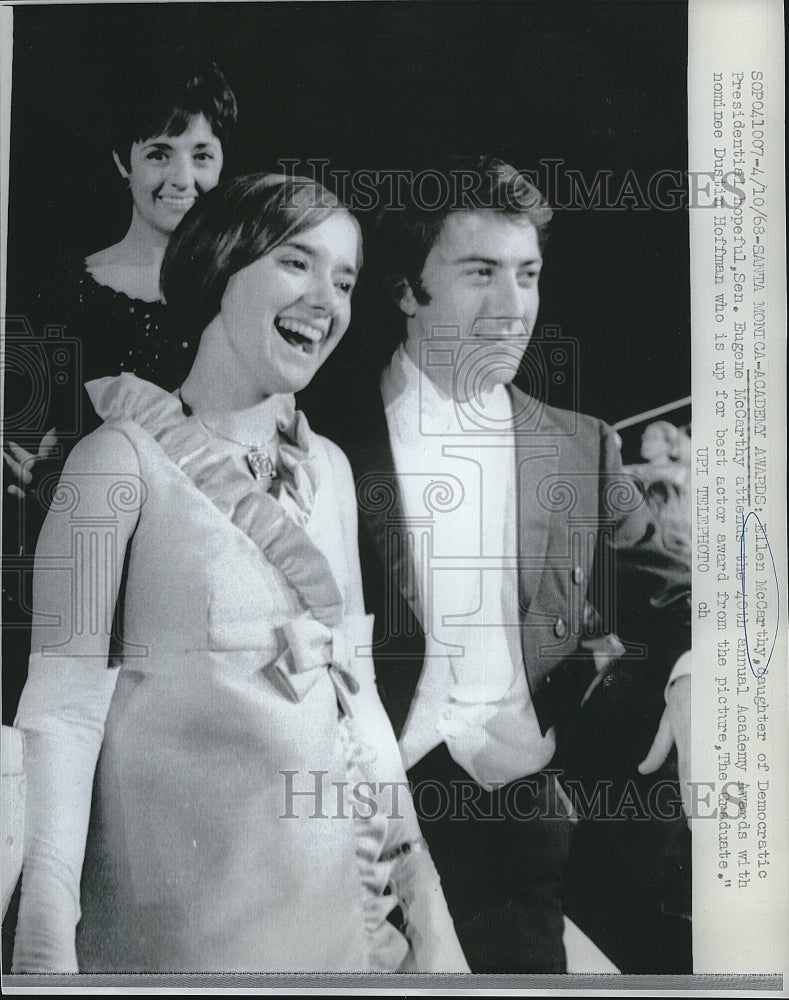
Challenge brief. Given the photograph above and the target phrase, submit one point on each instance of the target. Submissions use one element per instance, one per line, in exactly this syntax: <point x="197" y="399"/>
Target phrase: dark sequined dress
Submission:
<point x="74" y="331"/>
<point x="122" y="334"/>
<point x="107" y="332"/>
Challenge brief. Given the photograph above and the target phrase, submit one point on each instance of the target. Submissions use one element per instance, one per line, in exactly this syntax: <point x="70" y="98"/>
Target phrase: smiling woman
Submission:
<point x="171" y="120"/>
<point x="169" y="127"/>
<point x="172" y="821"/>
<point x="168" y="139"/>
<point x="166" y="174"/>
<point x="171" y="124"/>
<point x="301" y="290"/>
<point x="273" y="298"/>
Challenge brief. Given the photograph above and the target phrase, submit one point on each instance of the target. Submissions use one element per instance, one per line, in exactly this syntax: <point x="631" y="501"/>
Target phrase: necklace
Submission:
<point x="257" y="457"/>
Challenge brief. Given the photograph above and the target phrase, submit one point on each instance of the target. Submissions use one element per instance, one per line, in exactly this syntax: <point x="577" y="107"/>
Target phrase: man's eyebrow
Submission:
<point x="475" y="259"/>
<point x="494" y="261"/>
<point x="163" y="144"/>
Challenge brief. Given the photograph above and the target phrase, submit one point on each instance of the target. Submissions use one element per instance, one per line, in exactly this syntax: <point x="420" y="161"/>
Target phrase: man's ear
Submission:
<point x="121" y="169"/>
<point x="402" y="294"/>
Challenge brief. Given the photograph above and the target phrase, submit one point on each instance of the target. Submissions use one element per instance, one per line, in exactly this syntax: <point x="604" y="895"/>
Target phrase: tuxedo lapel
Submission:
<point x="381" y="507"/>
<point x="553" y="482"/>
<point x="382" y="517"/>
<point x="536" y="463"/>
<point x="391" y="591"/>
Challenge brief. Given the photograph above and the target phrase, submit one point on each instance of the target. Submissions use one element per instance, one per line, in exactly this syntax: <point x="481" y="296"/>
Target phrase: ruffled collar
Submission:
<point x="269" y="417"/>
<point x="264" y="519"/>
<point x="293" y="478"/>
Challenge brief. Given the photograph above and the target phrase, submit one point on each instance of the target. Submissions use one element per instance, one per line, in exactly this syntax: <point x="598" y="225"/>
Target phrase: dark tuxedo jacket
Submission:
<point x="590" y="558"/>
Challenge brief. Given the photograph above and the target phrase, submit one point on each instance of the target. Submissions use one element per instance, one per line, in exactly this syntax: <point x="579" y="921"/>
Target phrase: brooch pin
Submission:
<point x="260" y="465"/>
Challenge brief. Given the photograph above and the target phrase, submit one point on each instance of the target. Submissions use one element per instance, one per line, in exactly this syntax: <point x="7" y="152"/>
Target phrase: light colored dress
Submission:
<point x="226" y="831"/>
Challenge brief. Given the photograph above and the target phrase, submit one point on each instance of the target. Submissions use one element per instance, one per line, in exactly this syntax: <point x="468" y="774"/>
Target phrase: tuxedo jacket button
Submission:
<point x="559" y="629"/>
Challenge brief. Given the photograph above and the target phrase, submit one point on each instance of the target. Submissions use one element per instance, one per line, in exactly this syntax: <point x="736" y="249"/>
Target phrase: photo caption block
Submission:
<point x="736" y="114"/>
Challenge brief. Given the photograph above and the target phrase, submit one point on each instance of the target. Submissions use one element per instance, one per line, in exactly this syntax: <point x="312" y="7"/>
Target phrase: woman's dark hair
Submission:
<point x="163" y="92"/>
<point x="228" y="229"/>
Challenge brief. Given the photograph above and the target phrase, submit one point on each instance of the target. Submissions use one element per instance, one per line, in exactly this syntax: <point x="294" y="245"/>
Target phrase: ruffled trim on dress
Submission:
<point x="388" y="946"/>
<point x="257" y="514"/>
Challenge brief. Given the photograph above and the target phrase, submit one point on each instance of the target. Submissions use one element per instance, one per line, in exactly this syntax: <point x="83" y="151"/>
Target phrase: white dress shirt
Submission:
<point x="458" y="492"/>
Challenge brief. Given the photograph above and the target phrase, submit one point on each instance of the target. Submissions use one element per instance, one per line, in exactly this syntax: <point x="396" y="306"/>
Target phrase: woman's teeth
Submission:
<point x="179" y="201"/>
<point x="303" y="336"/>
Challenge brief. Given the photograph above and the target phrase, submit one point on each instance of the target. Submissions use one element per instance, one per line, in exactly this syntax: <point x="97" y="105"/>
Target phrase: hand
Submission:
<point x="429" y="927"/>
<point x="674" y="728"/>
<point x="22" y="462"/>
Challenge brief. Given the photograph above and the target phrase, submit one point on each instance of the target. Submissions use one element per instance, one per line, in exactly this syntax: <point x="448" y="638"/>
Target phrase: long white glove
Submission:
<point x="61" y="713"/>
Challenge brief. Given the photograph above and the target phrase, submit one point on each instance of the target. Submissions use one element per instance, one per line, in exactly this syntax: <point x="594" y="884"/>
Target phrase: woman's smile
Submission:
<point x="169" y="173"/>
<point x="184" y="201"/>
<point x="304" y="336"/>
<point x="284" y="313"/>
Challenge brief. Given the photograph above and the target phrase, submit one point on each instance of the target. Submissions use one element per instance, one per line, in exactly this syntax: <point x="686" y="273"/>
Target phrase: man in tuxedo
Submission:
<point x="506" y="556"/>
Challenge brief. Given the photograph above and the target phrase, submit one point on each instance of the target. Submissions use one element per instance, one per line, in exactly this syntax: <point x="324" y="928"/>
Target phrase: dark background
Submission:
<point x="600" y="86"/>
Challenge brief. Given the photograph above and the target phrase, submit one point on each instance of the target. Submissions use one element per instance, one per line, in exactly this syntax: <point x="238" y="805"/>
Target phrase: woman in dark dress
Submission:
<point x="168" y="147"/>
<point x="168" y="139"/>
<point x="171" y="125"/>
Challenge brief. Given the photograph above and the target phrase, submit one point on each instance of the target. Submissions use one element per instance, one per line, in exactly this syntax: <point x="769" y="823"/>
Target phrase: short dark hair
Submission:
<point x="163" y="92"/>
<point x="229" y="228"/>
<point x="403" y="235"/>
<point x="404" y="238"/>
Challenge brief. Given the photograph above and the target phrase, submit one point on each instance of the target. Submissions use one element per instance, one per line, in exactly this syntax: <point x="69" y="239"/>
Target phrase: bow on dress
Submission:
<point x="312" y="647"/>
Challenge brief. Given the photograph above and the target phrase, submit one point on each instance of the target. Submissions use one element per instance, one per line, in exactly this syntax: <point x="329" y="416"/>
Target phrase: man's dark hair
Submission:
<point x="163" y="92"/>
<point x="404" y="236"/>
